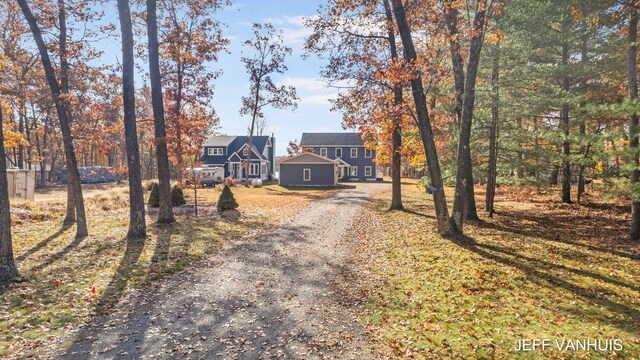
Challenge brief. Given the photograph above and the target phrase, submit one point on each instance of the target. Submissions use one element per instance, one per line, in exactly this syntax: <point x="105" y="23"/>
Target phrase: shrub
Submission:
<point x="227" y="201"/>
<point x="154" y="197"/>
<point x="177" y="196"/>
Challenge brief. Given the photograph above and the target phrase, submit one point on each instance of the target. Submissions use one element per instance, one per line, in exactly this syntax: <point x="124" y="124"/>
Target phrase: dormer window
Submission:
<point x="354" y="153"/>
<point x="368" y="153"/>
<point x="245" y="151"/>
<point x="215" y="151"/>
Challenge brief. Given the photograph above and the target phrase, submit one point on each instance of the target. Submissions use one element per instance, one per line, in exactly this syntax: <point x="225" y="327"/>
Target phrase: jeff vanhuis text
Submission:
<point x="569" y="344"/>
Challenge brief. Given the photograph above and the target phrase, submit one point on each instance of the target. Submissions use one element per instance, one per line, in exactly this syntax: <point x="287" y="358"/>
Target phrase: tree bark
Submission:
<point x="493" y="135"/>
<point x="8" y="268"/>
<point x="634" y="232"/>
<point x="451" y="16"/>
<point x="165" y="214"/>
<point x="464" y="200"/>
<point x="424" y="123"/>
<point x="137" y="225"/>
<point x="566" y="127"/>
<point x="73" y="176"/>
<point x="396" y="141"/>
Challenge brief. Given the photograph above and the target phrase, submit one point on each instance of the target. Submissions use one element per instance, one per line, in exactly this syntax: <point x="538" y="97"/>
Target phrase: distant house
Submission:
<point x="308" y="169"/>
<point x="355" y="162"/>
<point x="230" y="152"/>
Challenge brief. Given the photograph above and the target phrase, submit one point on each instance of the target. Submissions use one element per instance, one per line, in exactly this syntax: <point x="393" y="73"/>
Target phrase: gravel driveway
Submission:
<point x="272" y="296"/>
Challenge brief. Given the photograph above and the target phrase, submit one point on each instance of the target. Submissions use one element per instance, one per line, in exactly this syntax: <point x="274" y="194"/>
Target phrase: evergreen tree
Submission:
<point x="227" y="201"/>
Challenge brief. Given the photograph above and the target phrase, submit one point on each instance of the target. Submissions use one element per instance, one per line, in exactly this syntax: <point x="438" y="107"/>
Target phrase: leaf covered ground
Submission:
<point x="69" y="280"/>
<point x="538" y="269"/>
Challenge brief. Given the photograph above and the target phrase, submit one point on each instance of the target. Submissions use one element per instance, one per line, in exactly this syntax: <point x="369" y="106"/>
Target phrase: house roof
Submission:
<point x="337" y="139"/>
<point x="219" y="140"/>
<point x="235" y="143"/>
<point x="307" y="157"/>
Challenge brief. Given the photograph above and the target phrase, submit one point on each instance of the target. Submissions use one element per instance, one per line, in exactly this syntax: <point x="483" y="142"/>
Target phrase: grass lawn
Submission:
<point x="537" y="270"/>
<point x="69" y="280"/>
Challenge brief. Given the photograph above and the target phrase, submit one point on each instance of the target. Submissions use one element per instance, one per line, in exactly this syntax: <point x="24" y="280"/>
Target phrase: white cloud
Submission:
<point x="293" y="30"/>
<point x="313" y="91"/>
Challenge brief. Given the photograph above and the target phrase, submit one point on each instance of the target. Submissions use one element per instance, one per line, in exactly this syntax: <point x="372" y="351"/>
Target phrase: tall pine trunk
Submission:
<point x="424" y="123"/>
<point x="8" y="268"/>
<point x="396" y="137"/>
<point x="73" y="176"/>
<point x="565" y="125"/>
<point x="634" y="232"/>
<point x="493" y="135"/>
<point x="464" y="199"/>
<point x="137" y="225"/>
<point x="165" y="214"/>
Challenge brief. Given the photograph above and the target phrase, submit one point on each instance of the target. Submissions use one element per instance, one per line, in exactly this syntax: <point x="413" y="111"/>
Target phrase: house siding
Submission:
<point x="360" y="161"/>
<point x="259" y="142"/>
<point x="321" y="174"/>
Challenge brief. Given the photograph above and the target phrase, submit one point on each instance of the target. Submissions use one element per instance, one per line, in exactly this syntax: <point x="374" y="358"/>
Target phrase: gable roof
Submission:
<point x="307" y="157"/>
<point x="235" y="143"/>
<point x="337" y="139"/>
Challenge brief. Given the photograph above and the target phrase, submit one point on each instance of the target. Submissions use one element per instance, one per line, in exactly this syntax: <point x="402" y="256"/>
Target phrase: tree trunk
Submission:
<point x="165" y="214"/>
<point x="137" y="225"/>
<point x="462" y="86"/>
<point x="464" y="206"/>
<point x="424" y="124"/>
<point x="73" y="177"/>
<point x="566" y="127"/>
<point x="8" y="268"/>
<point x="634" y="232"/>
<point x="493" y="135"/>
<point x="396" y="157"/>
<point x="583" y="128"/>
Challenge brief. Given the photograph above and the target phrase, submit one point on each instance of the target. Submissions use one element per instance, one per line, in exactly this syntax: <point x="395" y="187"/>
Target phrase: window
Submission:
<point x="307" y="174"/>
<point x="339" y="152"/>
<point x="253" y="170"/>
<point x="215" y="151"/>
<point x="354" y="171"/>
<point x="264" y="169"/>
<point x="367" y="171"/>
<point x="368" y="153"/>
<point x="354" y="152"/>
<point x="323" y="152"/>
<point x="245" y="151"/>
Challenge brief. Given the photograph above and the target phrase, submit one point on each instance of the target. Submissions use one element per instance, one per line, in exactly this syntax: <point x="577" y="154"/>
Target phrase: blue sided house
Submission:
<point x="230" y="152"/>
<point x="355" y="162"/>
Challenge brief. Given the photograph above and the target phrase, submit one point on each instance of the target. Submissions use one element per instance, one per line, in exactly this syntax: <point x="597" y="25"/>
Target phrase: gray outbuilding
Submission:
<point x="308" y="169"/>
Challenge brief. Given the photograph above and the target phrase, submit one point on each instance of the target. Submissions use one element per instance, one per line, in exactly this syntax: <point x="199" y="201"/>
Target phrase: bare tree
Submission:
<point x="165" y="214"/>
<point x="73" y="176"/>
<point x="137" y="225"/>
<point x="269" y="53"/>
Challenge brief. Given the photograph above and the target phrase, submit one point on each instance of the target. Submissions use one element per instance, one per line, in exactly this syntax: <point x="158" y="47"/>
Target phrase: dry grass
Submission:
<point x="69" y="280"/>
<point x="538" y="269"/>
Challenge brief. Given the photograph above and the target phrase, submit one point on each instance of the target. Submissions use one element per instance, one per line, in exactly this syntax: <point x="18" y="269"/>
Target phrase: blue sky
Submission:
<point x="313" y="113"/>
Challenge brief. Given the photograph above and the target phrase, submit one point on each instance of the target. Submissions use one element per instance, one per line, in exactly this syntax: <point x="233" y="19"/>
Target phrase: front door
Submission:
<point x="236" y="171"/>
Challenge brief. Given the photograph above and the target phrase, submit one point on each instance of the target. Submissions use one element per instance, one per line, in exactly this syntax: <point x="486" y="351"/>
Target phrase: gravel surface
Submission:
<point x="272" y="296"/>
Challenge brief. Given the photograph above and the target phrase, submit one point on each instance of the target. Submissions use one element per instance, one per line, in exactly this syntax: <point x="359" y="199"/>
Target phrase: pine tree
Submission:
<point x="154" y="197"/>
<point x="177" y="196"/>
<point x="227" y="201"/>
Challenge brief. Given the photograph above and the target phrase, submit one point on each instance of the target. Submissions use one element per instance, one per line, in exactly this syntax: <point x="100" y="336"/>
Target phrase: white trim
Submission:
<point x="351" y="171"/>
<point x="338" y="148"/>
<point x="304" y="175"/>
<point x="324" y="149"/>
<point x="308" y="154"/>
<point x="351" y="153"/>
<point x="365" y="171"/>
<point x="370" y="153"/>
